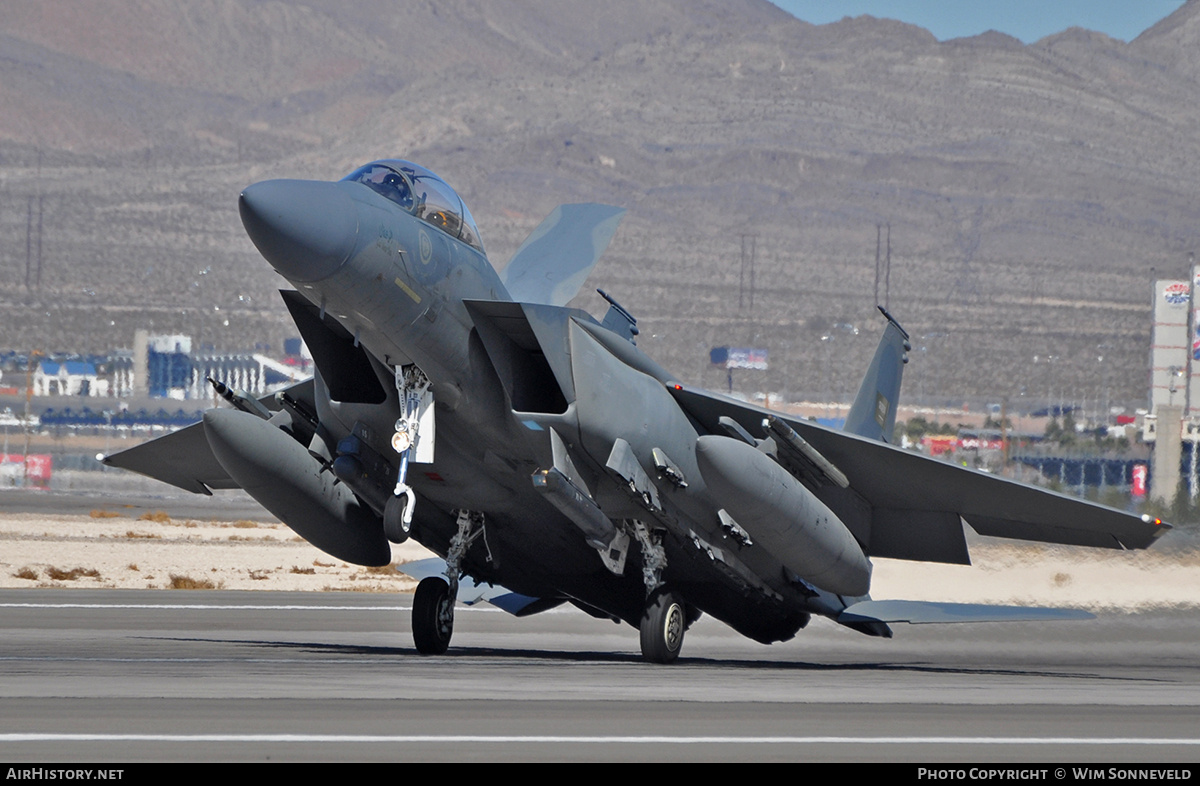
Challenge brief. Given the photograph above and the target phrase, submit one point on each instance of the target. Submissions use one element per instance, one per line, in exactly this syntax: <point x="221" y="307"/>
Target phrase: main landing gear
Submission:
<point x="665" y="617"/>
<point x="432" y="616"/>
<point x="662" y="627"/>
<point x="433" y="605"/>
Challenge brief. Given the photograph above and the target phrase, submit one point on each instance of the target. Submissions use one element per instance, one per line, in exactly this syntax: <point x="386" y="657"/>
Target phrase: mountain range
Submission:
<point x="1031" y="192"/>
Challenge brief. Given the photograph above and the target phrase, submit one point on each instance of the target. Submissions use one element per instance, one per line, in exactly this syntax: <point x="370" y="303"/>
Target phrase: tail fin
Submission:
<point x="554" y="261"/>
<point x="873" y="414"/>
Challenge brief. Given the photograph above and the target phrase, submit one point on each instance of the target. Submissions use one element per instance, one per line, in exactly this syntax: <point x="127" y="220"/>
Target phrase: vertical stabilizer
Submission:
<point x="554" y="261"/>
<point x="874" y="412"/>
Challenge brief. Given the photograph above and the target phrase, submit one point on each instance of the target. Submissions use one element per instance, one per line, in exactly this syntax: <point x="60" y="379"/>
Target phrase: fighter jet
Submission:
<point x="548" y="460"/>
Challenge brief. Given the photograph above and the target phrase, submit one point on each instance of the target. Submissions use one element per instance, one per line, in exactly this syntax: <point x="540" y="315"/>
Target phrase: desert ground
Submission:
<point x="115" y="548"/>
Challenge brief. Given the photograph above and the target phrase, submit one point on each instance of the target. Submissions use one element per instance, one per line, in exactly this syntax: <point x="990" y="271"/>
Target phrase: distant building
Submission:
<point x="69" y="378"/>
<point x="253" y="374"/>
<point x="1174" y="417"/>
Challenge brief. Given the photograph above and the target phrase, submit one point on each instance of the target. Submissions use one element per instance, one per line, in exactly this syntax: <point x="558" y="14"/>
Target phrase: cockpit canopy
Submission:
<point x="422" y="193"/>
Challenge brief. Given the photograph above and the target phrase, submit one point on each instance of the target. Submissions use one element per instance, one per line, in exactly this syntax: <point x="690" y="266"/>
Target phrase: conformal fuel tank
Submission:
<point x="285" y="479"/>
<point x="783" y="516"/>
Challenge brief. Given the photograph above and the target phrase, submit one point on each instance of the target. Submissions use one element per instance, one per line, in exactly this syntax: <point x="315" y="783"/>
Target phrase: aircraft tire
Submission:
<point x="432" y="616"/>
<point x="393" y="520"/>
<point x="663" y="624"/>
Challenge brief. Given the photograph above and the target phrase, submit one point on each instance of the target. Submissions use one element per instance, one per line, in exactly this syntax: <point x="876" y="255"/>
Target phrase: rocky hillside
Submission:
<point x="1032" y="191"/>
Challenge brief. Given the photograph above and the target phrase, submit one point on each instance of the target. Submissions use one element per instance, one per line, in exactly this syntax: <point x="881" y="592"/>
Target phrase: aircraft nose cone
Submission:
<point x="305" y="229"/>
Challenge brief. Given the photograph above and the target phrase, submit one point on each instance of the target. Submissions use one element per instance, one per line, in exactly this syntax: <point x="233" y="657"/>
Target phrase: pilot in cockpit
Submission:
<point x="400" y="192"/>
<point x="437" y="204"/>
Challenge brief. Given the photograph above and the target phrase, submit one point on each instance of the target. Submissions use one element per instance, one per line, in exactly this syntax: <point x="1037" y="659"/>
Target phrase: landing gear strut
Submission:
<point x="432" y="616"/>
<point x="665" y="618"/>
<point x="412" y="442"/>
<point x="662" y="627"/>
<point x="433" y="605"/>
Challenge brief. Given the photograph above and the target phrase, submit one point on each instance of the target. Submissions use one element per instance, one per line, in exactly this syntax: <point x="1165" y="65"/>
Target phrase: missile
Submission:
<point x="239" y="399"/>
<point x="285" y="479"/>
<point x="783" y="516"/>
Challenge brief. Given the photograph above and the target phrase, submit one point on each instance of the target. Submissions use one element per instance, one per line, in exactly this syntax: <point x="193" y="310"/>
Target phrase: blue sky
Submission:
<point x="1027" y="20"/>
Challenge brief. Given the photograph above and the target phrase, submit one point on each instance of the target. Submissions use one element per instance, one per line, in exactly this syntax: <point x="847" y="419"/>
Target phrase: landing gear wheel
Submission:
<point x="393" y="520"/>
<point x="662" y="627"/>
<point x="432" y="616"/>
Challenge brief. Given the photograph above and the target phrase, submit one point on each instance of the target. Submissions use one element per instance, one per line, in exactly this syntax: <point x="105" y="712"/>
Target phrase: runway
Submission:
<point x="126" y="676"/>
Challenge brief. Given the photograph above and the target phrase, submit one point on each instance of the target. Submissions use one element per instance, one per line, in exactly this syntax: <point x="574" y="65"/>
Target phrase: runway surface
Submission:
<point x="126" y="676"/>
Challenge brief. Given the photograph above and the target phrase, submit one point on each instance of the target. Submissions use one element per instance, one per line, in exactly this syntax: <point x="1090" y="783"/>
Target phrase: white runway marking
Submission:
<point x="242" y="607"/>
<point x="597" y="740"/>
<point x="198" y="606"/>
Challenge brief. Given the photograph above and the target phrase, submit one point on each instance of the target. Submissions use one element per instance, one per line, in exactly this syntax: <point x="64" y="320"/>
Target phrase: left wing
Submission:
<point x="184" y="459"/>
<point x="915" y="501"/>
<point x="918" y="612"/>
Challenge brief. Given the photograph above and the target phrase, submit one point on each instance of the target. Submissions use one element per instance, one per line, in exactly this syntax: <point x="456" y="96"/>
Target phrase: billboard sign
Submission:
<point x="739" y="357"/>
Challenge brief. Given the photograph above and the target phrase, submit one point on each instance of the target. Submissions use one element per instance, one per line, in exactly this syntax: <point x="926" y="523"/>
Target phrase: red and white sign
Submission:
<point x="39" y="466"/>
<point x="1176" y="293"/>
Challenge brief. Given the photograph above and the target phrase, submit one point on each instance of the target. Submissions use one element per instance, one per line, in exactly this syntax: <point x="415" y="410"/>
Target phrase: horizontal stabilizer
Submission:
<point x="554" y="261"/>
<point x="471" y="592"/>
<point x="918" y="612"/>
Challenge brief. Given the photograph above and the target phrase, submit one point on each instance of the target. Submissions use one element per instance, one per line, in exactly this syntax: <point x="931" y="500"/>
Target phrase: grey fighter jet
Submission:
<point x="549" y="461"/>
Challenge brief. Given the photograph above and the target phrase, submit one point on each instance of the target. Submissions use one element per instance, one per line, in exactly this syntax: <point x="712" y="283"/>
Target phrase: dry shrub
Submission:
<point x="143" y="535"/>
<point x="26" y="573"/>
<point x="104" y="514"/>
<point x="383" y="570"/>
<point x="320" y="564"/>
<point x="260" y="575"/>
<point x="58" y="574"/>
<point x="159" y="516"/>
<point x="304" y="571"/>
<point x="245" y="524"/>
<point x="189" y="583"/>
<point x="133" y="566"/>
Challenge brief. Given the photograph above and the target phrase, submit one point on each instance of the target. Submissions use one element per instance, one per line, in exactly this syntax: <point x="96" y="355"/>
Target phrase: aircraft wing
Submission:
<point x="184" y="459"/>
<point x="554" y="261"/>
<point x="916" y="612"/>
<point x="915" y="500"/>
